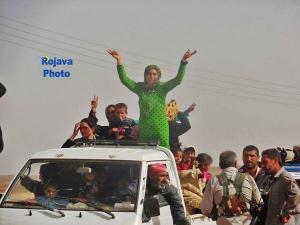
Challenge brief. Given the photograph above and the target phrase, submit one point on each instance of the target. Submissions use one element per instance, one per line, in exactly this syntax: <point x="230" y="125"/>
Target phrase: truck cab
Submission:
<point x="92" y="184"/>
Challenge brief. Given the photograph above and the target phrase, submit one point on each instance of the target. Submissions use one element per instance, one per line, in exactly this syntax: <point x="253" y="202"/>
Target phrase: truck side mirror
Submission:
<point x="151" y="207"/>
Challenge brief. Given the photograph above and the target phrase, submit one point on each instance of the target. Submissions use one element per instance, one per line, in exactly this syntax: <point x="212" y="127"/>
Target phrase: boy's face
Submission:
<point x="178" y="157"/>
<point x="122" y="113"/>
<point x="51" y="192"/>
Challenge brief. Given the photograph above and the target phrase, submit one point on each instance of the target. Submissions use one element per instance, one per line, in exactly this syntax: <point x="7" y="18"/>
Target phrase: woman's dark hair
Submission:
<point x="88" y="122"/>
<point x="109" y="106"/>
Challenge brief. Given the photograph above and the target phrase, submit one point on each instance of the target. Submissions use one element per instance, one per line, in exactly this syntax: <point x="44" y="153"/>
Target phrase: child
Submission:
<point x="204" y="163"/>
<point x="123" y="127"/>
<point x="121" y="110"/>
<point x="188" y="158"/>
<point x="153" y="123"/>
<point x="51" y="200"/>
<point x="178" y="154"/>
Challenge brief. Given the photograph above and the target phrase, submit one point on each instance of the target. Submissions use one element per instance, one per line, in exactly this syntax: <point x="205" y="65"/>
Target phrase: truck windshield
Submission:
<point x="75" y="185"/>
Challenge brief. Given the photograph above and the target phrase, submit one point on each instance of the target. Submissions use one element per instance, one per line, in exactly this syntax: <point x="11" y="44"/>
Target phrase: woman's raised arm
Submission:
<point x="170" y="84"/>
<point x="129" y="83"/>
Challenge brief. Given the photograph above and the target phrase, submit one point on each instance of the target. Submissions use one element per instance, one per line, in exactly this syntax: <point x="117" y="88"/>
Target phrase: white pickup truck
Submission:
<point x="119" y="170"/>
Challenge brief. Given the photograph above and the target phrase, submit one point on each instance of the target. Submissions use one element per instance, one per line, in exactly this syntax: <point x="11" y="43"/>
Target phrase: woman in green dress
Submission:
<point x="153" y="122"/>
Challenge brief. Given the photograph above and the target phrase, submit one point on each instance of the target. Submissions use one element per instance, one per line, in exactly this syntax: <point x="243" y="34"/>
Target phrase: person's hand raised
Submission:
<point x="115" y="54"/>
<point x="188" y="54"/>
<point x="75" y="131"/>
<point x="191" y="108"/>
<point x="94" y="104"/>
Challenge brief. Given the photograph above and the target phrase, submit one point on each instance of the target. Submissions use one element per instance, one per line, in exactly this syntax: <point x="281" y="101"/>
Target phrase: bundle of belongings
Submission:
<point x="192" y="188"/>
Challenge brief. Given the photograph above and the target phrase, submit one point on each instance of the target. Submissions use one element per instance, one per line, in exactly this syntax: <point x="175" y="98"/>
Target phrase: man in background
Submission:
<point x="283" y="191"/>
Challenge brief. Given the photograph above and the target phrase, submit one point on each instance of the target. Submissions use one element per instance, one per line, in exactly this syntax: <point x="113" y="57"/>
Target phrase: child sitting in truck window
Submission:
<point x="46" y="175"/>
<point x="50" y="199"/>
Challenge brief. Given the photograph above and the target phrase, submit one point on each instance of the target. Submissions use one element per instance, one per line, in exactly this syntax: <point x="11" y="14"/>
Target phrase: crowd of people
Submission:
<point x="158" y="121"/>
<point x="261" y="192"/>
<point x="245" y="195"/>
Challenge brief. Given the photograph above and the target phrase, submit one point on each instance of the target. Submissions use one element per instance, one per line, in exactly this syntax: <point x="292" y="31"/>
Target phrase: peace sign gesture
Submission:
<point x="94" y="103"/>
<point x="116" y="55"/>
<point x="188" y="54"/>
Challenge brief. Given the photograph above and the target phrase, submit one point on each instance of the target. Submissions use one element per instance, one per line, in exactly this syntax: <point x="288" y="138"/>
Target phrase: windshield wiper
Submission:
<point x="93" y="205"/>
<point x="25" y="203"/>
<point x="61" y="213"/>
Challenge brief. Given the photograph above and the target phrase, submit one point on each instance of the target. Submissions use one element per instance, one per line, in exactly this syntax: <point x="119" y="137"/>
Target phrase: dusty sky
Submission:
<point x="244" y="79"/>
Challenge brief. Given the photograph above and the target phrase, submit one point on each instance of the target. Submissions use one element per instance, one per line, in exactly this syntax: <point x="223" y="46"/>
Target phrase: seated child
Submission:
<point x="178" y="154"/>
<point x="50" y="199"/>
<point x="188" y="158"/>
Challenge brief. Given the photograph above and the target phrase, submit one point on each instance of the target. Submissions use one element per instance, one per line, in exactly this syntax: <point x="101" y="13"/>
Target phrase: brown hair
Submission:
<point x="150" y="67"/>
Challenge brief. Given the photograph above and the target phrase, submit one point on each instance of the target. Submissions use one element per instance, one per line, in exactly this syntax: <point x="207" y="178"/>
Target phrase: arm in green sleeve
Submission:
<point x="130" y="84"/>
<point x="169" y="85"/>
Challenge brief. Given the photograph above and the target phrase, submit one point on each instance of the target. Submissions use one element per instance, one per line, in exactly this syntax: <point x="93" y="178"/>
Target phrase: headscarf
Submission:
<point x="157" y="168"/>
<point x="144" y="85"/>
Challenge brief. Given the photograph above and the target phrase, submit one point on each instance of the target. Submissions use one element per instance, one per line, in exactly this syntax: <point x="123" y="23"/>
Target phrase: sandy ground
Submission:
<point x="4" y="182"/>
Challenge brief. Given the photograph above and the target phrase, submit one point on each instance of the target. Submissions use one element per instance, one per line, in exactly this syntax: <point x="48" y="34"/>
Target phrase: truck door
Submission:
<point x="165" y="217"/>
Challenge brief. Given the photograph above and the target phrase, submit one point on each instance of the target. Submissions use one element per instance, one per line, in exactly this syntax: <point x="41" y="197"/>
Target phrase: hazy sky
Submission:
<point x="244" y="78"/>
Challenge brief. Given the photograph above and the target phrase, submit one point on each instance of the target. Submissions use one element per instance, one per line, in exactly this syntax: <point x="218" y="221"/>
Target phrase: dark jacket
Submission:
<point x="33" y="186"/>
<point x="171" y="195"/>
<point x="178" y="128"/>
<point x="69" y="143"/>
<point x="102" y="131"/>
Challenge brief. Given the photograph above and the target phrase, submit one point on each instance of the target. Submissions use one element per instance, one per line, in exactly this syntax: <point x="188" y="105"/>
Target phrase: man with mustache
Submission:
<point x="252" y="167"/>
<point x="158" y="183"/>
<point x="283" y="191"/>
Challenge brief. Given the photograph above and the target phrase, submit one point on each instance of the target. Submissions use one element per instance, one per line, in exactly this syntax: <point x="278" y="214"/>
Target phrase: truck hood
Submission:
<point x="43" y="217"/>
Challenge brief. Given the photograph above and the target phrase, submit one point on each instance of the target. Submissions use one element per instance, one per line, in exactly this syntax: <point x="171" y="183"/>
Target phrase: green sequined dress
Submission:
<point x="153" y="122"/>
